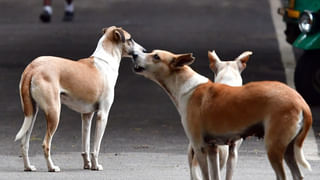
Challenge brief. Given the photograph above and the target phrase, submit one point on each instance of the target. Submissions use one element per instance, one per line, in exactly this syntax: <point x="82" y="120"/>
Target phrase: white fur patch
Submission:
<point x="24" y="128"/>
<point x="101" y="55"/>
<point x="299" y="123"/>
<point x="184" y="94"/>
<point x="76" y="104"/>
<point x="298" y="153"/>
<point x="20" y="83"/>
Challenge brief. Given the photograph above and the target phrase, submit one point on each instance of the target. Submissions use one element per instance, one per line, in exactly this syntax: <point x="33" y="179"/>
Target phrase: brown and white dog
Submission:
<point x="86" y="86"/>
<point x="215" y="114"/>
<point x="226" y="72"/>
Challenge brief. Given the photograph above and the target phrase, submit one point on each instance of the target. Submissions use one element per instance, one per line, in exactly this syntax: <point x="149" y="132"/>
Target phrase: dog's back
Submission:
<point x="249" y="104"/>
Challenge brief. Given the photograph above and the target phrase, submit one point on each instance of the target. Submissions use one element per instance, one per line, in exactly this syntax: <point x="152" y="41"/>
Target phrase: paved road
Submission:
<point x="144" y="138"/>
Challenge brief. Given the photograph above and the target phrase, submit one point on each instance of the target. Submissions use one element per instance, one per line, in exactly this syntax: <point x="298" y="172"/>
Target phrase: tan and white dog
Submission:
<point x="215" y="114"/>
<point x="226" y="72"/>
<point x="86" y="86"/>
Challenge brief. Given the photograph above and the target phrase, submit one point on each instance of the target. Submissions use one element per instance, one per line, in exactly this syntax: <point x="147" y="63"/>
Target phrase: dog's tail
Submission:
<point x="27" y="104"/>
<point x="298" y="152"/>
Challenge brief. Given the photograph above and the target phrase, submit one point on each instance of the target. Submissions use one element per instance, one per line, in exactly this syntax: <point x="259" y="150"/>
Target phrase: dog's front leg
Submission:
<point x="86" y="127"/>
<point x="213" y="154"/>
<point x="232" y="158"/>
<point x="102" y="118"/>
<point x="190" y="159"/>
<point x="195" y="172"/>
<point x="201" y="156"/>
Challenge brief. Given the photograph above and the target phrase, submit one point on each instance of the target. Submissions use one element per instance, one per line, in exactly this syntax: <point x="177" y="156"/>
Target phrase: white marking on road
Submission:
<point x="288" y="60"/>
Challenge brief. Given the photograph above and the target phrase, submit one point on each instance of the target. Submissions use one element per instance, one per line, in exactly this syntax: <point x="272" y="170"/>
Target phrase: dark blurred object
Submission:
<point x="292" y="32"/>
<point x="307" y="76"/>
<point x="68" y="16"/>
<point x="45" y="17"/>
<point x="302" y="18"/>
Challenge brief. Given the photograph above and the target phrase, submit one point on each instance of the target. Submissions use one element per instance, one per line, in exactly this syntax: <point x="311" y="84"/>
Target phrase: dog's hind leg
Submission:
<point x="30" y="110"/>
<point x="292" y="163"/>
<point x="52" y="114"/>
<point x="232" y="158"/>
<point x="303" y="123"/>
<point x="275" y="155"/>
<point x="25" y="143"/>
<point x="86" y="127"/>
<point x="277" y="138"/>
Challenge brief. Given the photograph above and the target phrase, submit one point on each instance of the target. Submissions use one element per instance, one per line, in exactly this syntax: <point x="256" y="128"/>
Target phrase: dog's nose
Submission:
<point x="134" y="56"/>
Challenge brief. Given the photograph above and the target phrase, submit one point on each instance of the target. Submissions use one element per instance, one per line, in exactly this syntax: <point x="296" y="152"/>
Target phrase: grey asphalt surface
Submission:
<point x="144" y="138"/>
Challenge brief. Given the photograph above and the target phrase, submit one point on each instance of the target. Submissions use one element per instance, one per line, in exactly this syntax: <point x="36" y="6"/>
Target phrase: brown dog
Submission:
<point x="215" y="114"/>
<point x="229" y="73"/>
<point x="86" y="86"/>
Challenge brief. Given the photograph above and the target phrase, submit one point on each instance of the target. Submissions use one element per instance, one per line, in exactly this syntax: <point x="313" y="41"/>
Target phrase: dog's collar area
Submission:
<point x="100" y="55"/>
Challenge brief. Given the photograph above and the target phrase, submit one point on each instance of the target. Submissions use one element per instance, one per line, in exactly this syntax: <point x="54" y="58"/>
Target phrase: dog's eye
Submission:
<point x="156" y="57"/>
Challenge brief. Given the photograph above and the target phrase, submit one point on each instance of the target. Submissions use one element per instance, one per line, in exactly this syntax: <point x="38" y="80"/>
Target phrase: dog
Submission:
<point x="226" y="72"/>
<point x="86" y="86"/>
<point x="215" y="114"/>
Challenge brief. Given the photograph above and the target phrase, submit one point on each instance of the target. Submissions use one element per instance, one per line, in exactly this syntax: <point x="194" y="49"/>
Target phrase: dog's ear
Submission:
<point x="118" y="35"/>
<point x="182" y="59"/>
<point x="104" y="30"/>
<point x="213" y="61"/>
<point x="243" y="59"/>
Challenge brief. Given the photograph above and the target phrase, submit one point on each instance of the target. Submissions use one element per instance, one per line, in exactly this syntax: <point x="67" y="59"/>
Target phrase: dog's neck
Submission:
<point x="111" y="57"/>
<point x="107" y="60"/>
<point x="181" y="84"/>
<point x="231" y="78"/>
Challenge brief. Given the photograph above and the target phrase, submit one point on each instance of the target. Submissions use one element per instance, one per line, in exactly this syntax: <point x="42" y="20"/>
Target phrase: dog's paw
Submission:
<point x="30" y="168"/>
<point x="54" y="169"/>
<point x="87" y="166"/>
<point x="97" y="167"/>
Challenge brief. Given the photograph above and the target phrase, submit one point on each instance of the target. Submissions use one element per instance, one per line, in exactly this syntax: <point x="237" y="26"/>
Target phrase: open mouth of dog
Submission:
<point x="138" y="68"/>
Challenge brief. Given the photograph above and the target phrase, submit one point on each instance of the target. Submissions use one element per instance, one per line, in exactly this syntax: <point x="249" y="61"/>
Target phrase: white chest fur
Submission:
<point x="108" y="64"/>
<point x="183" y="95"/>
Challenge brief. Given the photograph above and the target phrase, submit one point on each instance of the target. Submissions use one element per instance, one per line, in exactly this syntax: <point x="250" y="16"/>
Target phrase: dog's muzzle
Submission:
<point x="134" y="56"/>
<point x="137" y="68"/>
